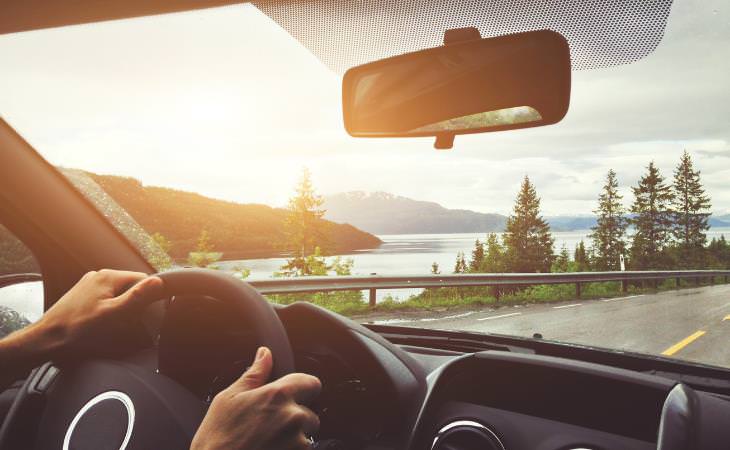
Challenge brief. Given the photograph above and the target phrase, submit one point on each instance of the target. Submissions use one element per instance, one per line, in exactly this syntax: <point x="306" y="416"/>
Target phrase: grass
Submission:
<point x="353" y="303"/>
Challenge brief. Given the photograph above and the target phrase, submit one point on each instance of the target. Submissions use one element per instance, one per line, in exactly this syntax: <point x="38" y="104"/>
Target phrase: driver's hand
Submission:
<point x="91" y="316"/>
<point x="253" y="415"/>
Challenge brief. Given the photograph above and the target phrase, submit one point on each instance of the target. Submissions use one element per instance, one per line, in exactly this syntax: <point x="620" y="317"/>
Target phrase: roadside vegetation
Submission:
<point x="668" y="224"/>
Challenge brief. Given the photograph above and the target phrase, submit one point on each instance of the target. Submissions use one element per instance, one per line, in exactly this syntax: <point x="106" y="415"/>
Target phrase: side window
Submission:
<point x="21" y="290"/>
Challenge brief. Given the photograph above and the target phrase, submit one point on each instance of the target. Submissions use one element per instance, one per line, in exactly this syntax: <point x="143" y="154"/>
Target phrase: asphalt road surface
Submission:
<point x="691" y="324"/>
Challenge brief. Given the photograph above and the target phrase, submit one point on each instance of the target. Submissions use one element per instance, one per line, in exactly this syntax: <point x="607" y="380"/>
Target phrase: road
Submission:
<point x="691" y="324"/>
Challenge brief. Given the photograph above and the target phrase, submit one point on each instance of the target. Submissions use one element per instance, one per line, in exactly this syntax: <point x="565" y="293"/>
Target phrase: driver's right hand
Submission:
<point x="253" y="415"/>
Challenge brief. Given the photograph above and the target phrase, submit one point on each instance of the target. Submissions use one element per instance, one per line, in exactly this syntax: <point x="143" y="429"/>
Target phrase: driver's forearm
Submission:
<point x="23" y="350"/>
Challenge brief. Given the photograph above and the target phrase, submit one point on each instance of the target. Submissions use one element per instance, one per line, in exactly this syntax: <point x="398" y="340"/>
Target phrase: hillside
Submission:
<point x="237" y="230"/>
<point x="383" y="213"/>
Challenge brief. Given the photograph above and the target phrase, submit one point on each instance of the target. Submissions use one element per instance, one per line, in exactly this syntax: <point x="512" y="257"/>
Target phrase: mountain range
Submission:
<point x="384" y="213"/>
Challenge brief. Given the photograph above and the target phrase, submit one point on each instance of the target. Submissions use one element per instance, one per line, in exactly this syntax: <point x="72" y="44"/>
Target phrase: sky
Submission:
<point x="225" y="103"/>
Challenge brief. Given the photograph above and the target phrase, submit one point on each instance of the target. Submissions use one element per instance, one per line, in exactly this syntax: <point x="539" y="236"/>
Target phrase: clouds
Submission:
<point x="225" y="103"/>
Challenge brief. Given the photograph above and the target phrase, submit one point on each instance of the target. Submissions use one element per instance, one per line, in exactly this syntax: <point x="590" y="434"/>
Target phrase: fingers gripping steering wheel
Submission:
<point x="114" y="404"/>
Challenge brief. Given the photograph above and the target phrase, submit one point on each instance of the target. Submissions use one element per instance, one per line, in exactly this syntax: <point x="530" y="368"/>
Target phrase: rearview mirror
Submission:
<point x="469" y="85"/>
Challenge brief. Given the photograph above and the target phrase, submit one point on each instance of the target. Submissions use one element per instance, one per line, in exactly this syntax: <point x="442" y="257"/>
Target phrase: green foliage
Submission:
<point x="341" y="302"/>
<point x="528" y="242"/>
<point x="652" y="221"/>
<point x="494" y="255"/>
<point x="304" y="227"/>
<point x="435" y="268"/>
<point x="562" y="261"/>
<point x="477" y="257"/>
<point x="241" y="272"/>
<point x="203" y="255"/>
<point x="610" y="230"/>
<point x="580" y="257"/>
<point x="460" y="265"/>
<point x="718" y="254"/>
<point x="691" y="213"/>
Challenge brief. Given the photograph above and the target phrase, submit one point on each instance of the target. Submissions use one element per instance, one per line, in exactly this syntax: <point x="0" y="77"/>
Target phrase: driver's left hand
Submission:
<point x="90" y="319"/>
<point x="91" y="313"/>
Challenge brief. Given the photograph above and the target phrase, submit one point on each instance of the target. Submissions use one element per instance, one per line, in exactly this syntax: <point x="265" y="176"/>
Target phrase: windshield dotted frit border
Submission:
<point x="347" y="33"/>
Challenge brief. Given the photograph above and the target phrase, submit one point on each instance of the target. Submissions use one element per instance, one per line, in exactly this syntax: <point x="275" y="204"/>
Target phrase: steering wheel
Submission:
<point x="113" y="404"/>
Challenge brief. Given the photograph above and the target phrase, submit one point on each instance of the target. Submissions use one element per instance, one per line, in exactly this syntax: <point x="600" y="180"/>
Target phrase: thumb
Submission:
<point x="258" y="374"/>
<point x="142" y="293"/>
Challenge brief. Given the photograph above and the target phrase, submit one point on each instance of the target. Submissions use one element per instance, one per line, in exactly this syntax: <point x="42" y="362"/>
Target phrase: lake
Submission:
<point x="410" y="254"/>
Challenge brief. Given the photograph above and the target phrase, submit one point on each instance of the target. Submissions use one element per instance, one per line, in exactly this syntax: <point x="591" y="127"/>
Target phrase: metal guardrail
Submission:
<point x="375" y="282"/>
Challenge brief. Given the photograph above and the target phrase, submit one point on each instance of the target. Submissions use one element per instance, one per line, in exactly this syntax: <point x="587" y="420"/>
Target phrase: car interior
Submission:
<point x="384" y="386"/>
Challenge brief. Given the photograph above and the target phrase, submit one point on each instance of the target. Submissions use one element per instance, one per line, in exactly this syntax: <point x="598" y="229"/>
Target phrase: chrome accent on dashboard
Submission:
<point x="466" y="423"/>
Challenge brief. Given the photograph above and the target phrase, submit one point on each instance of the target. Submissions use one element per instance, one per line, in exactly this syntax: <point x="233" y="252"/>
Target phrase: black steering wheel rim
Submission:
<point x="244" y="301"/>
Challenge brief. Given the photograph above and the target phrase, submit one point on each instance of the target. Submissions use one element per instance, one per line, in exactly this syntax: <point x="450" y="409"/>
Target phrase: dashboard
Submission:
<point x="377" y="395"/>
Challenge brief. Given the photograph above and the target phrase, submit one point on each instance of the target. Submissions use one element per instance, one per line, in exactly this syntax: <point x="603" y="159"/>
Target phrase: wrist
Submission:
<point x="38" y="341"/>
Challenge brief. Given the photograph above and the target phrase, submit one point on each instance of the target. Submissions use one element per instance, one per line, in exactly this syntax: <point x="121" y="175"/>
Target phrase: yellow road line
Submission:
<point x="682" y="344"/>
<point x="726" y="318"/>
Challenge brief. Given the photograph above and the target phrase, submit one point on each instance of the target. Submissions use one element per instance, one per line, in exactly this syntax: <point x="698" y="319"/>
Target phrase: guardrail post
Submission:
<point x="372" y="297"/>
<point x="678" y="282"/>
<point x="577" y="290"/>
<point x="712" y="280"/>
<point x="725" y="278"/>
<point x="625" y="286"/>
<point x="697" y="281"/>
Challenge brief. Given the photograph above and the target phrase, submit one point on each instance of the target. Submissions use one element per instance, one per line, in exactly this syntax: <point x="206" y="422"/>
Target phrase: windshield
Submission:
<point x="215" y="139"/>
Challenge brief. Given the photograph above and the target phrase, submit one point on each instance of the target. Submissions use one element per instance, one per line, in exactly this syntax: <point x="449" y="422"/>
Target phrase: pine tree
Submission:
<point x="304" y="227"/>
<point x="562" y="261"/>
<point x="203" y="255"/>
<point x="460" y="266"/>
<point x="580" y="256"/>
<point x="610" y="230"/>
<point x="528" y="242"/>
<point x="477" y="257"/>
<point x="691" y="212"/>
<point x="493" y="255"/>
<point x="652" y="220"/>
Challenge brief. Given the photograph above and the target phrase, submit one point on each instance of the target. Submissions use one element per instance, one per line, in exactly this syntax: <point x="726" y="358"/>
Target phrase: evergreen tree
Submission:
<point x="528" y="242"/>
<point x="460" y="266"/>
<point x="477" y="257"/>
<point x="609" y="232"/>
<point x="304" y="228"/>
<point x="203" y="254"/>
<point x="580" y="256"/>
<point x="691" y="212"/>
<point x="652" y="220"/>
<point x="719" y="253"/>
<point x="562" y="261"/>
<point x="493" y="255"/>
<point x="435" y="268"/>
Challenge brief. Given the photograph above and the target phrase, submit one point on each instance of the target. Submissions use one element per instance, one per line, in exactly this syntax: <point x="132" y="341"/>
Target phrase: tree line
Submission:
<point x="664" y="228"/>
